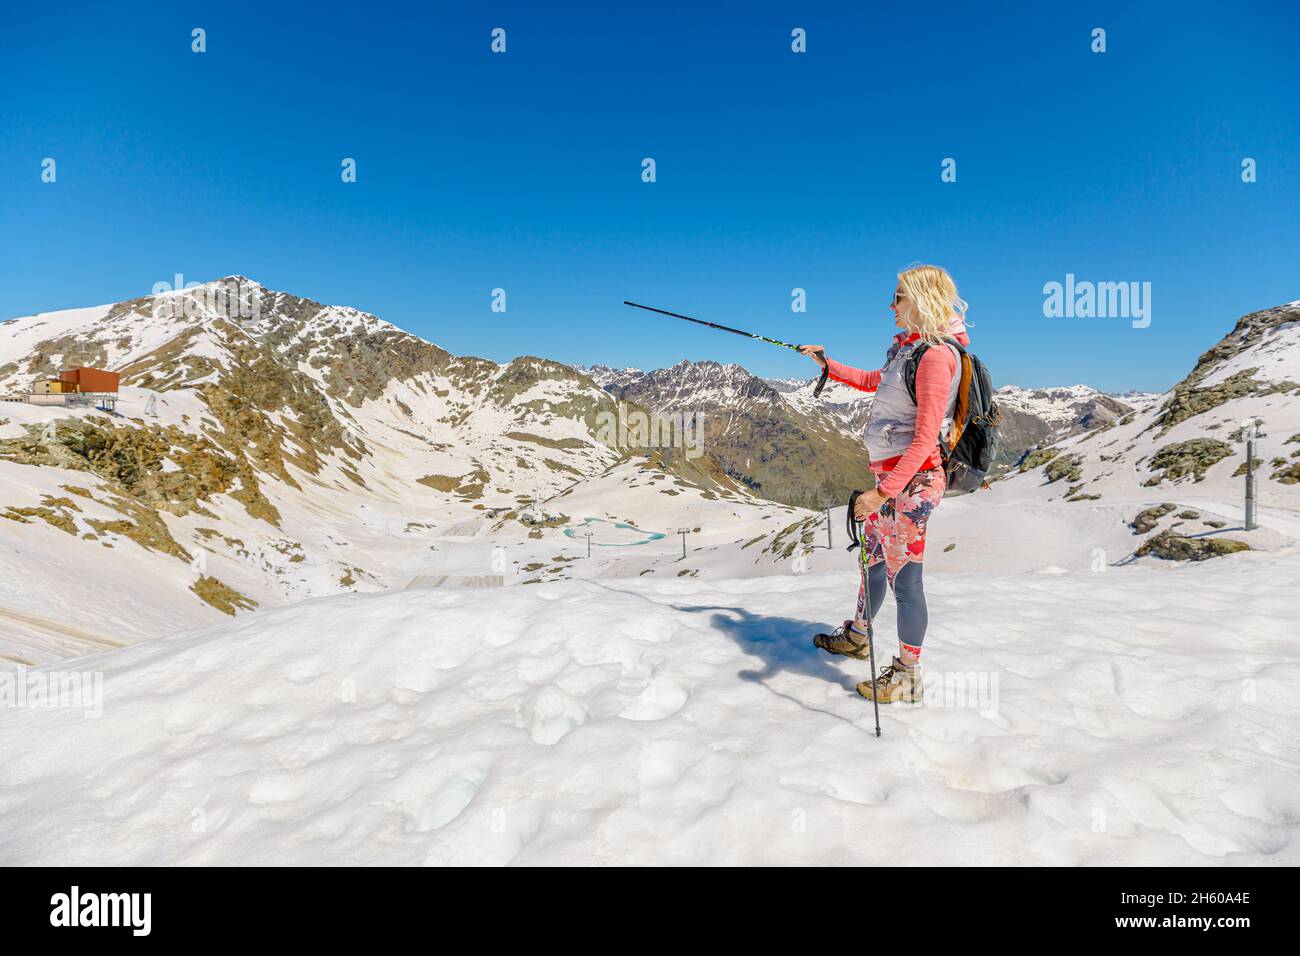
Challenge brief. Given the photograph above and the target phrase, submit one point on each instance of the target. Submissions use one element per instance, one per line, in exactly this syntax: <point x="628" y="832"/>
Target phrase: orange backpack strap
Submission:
<point x="962" y="412"/>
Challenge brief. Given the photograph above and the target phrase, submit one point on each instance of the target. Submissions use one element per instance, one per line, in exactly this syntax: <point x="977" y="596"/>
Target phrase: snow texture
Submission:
<point x="1115" y="718"/>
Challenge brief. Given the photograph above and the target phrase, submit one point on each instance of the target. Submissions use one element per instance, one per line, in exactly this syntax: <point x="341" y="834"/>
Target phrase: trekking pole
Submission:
<point x="1250" y="475"/>
<point x="871" y="631"/>
<point x="871" y="651"/>
<point x="821" y="382"/>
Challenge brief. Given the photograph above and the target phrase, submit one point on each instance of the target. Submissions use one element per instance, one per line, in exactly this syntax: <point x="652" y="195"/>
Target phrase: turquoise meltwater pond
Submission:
<point x="631" y="534"/>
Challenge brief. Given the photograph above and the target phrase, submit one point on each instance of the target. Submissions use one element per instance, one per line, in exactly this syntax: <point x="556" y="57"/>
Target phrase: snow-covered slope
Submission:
<point x="258" y="459"/>
<point x="1076" y="502"/>
<point x="685" y="722"/>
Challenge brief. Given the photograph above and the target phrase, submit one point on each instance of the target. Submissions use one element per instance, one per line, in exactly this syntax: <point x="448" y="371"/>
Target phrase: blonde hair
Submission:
<point x="936" y="299"/>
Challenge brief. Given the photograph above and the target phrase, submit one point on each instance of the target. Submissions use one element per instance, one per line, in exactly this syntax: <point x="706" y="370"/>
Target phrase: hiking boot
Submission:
<point x="846" y="640"/>
<point x="897" y="683"/>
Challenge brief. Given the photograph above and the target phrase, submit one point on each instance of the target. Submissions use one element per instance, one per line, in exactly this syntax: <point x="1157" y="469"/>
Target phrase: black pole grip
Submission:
<point x="826" y="371"/>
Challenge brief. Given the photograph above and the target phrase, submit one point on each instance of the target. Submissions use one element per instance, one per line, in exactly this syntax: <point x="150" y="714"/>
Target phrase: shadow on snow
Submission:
<point x="783" y="644"/>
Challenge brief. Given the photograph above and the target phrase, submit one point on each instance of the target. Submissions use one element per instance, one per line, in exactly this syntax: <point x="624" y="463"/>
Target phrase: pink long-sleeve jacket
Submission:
<point x="934" y="375"/>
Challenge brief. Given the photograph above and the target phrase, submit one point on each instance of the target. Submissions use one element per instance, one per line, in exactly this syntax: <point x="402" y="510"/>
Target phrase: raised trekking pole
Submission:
<point x="821" y="382"/>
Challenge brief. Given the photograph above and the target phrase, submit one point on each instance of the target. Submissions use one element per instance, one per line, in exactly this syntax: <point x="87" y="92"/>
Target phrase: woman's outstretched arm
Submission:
<point x="854" y="377"/>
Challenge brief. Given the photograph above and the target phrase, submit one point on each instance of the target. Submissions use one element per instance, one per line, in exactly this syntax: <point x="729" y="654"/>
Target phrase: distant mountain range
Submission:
<point x="812" y="444"/>
<point x="780" y="447"/>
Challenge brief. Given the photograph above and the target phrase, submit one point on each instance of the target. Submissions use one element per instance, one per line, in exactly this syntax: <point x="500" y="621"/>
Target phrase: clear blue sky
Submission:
<point x="775" y="170"/>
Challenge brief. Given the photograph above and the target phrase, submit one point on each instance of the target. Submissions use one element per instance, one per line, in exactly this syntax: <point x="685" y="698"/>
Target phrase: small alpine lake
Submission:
<point x="616" y="529"/>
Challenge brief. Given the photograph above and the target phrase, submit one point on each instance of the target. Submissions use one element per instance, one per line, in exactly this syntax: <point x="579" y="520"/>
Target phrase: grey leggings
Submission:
<point x="909" y="594"/>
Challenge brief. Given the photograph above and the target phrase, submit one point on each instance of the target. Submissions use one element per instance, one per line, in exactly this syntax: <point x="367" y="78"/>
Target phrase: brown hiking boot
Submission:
<point x="897" y="683"/>
<point x="846" y="640"/>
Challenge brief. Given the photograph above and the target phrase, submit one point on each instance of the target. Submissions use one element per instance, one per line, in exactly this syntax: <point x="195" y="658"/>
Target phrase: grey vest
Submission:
<point x="891" y="424"/>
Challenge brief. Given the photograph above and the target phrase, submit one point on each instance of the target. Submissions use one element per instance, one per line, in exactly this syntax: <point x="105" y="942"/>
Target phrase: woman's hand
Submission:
<point x="817" y="353"/>
<point x="868" y="503"/>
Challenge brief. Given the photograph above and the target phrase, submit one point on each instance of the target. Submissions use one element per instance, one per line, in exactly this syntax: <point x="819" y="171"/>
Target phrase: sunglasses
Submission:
<point x="898" y="295"/>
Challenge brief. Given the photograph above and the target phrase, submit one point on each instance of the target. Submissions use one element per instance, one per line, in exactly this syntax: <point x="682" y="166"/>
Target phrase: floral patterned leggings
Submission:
<point x="895" y="549"/>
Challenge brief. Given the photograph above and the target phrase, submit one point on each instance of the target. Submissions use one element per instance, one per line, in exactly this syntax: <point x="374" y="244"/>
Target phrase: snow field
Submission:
<point x="1125" y="717"/>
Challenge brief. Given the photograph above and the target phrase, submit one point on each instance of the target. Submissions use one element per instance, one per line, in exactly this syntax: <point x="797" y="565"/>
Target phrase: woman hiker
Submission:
<point x="902" y="439"/>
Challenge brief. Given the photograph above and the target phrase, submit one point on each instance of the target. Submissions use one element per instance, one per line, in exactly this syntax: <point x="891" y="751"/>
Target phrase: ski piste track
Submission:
<point x="76" y="640"/>
<point x="456" y="581"/>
